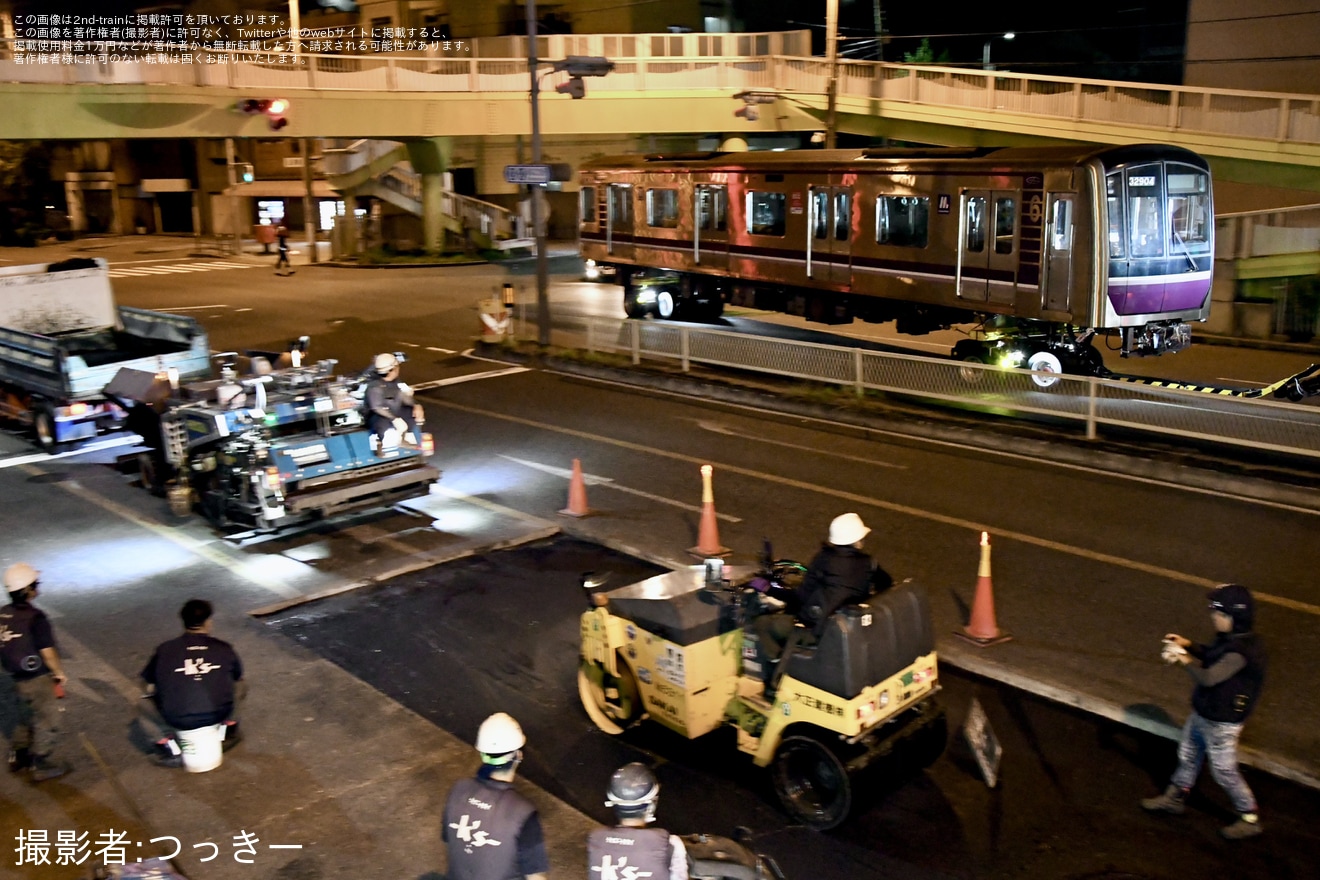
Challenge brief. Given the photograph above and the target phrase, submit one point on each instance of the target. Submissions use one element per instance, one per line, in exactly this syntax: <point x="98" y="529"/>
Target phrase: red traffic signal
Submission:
<point x="273" y="108"/>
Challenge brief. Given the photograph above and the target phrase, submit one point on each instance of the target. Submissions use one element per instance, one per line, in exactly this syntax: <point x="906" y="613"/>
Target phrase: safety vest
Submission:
<point x="627" y="853"/>
<point x="483" y="821"/>
<point x="18" y="650"/>
<point x="1232" y="700"/>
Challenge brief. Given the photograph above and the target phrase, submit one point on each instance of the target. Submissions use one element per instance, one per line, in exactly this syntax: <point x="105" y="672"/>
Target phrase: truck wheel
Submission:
<point x="811" y="782"/>
<point x="43" y="430"/>
<point x="1045" y="362"/>
<point x="666" y="304"/>
<point x="970" y="354"/>
<point x="612" y="704"/>
<point x="631" y="307"/>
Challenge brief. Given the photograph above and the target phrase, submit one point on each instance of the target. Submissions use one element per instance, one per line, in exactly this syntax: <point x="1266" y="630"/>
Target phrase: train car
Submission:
<point x="1044" y="247"/>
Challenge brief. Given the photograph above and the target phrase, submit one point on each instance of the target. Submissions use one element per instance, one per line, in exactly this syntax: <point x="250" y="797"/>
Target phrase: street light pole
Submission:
<point x="538" y="225"/>
<point x="832" y="60"/>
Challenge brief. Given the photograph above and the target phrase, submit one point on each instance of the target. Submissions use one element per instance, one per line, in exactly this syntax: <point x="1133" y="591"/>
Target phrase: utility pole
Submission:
<point x="832" y="60"/>
<point x="534" y="190"/>
<point x="233" y="195"/>
<point x="879" y="34"/>
<point x="310" y="220"/>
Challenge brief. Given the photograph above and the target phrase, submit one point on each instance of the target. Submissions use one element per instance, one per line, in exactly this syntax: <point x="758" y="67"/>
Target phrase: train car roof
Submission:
<point x="890" y="158"/>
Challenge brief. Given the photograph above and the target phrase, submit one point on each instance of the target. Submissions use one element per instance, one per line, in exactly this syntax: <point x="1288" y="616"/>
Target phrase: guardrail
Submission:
<point x="1269" y="116"/>
<point x="1089" y="402"/>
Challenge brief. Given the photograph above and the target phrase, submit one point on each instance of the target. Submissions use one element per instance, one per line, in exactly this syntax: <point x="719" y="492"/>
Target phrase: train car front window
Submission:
<point x="975" y="242"/>
<point x="902" y="221"/>
<point x="713" y="208"/>
<point x="1114" y="203"/>
<point x="662" y="208"/>
<point x="1145" y="211"/>
<point x="587" y="205"/>
<point x="842" y="215"/>
<point x="1190" y="221"/>
<point x="765" y="213"/>
<point x="1005" y="224"/>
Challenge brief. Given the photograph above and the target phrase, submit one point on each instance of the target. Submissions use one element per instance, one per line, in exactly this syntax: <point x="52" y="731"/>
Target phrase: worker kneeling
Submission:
<point x="631" y="849"/>
<point x="392" y="414"/>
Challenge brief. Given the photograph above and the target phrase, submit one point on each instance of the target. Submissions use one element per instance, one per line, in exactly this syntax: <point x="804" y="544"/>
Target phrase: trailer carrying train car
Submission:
<point x="1052" y="244"/>
<point x="63" y="338"/>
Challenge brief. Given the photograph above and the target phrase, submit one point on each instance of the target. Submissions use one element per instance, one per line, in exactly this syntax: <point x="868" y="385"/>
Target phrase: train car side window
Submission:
<point x="903" y="221"/>
<point x="842" y="215"/>
<point x="820" y="213"/>
<point x="662" y="208"/>
<point x="976" y="231"/>
<point x="1005" y="224"/>
<point x="621" y="205"/>
<point x="1114" y="202"/>
<point x="765" y="213"/>
<point x="1145" y="211"/>
<point x="1189" y="210"/>
<point x="713" y="208"/>
<point x="587" y="205"/>
<point x="1060" y="226"/>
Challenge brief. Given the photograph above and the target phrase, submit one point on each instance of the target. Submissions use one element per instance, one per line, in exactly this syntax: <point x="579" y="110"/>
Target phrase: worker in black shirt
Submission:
<point x="630" y="848"/>
<point x="492" y="832"/>
<point x="390" y="403"/>
<point x="28" y="654"/>
<point x="194" y="679"/>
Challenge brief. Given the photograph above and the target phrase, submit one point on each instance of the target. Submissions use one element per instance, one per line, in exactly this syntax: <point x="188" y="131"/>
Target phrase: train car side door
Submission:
<point x="710" y="227"/>
<point x="988" y="246"/>
<point x="619" y="220"/>
<point x="1059" y="237"/>
<point x="829" y="234"/>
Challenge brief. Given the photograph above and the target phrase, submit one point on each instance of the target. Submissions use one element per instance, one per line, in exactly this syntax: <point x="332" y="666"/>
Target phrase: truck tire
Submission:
<point x="631" y="307"/>
<point x="43" y="429"/>
<point x="612" y="704"/>
<point x="811" y="782"/>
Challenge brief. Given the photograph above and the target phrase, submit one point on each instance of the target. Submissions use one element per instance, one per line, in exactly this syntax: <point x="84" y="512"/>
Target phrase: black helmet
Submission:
<point x="633" y="792"/>
<point x="1237" y="602"/>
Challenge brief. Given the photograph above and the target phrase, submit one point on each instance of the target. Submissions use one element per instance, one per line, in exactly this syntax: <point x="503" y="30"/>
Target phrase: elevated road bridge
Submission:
<point x="1249" y="137"/>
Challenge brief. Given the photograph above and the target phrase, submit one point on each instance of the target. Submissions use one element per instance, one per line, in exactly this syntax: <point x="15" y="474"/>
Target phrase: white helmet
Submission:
<point x="386" y="362"/>
<point x="847" y="529"/>
<point x="498" y="738"/>
<point x="20" y="576"/>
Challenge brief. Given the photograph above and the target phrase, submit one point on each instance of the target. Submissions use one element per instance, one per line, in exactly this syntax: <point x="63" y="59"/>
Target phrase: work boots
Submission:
<point x="1174" y="801"/>
<point x="19" y="759"/>
<point x="44" y="768"/>
<point x="1248" y="825"/>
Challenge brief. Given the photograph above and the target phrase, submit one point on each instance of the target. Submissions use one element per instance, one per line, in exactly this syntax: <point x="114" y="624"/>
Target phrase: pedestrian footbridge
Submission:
<point x="661" y="83"/>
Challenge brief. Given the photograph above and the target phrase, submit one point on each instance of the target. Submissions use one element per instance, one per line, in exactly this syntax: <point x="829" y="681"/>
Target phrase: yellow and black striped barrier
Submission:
<point x="1296" y="387"/>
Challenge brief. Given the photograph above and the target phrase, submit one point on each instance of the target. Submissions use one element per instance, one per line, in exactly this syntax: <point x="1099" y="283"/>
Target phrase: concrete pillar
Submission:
<point x="433" y="212"/>
<point x="733" y="143"/>
<point x="346" y="227"/>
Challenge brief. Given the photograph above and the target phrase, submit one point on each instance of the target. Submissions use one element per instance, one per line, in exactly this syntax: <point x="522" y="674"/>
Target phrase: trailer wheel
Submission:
<point x="1045" y="362"/>
<point x="666" y="306"/>
<point x="811" y="782"/>
<point x="631" y="307"/>
<point x="612" y="704"/>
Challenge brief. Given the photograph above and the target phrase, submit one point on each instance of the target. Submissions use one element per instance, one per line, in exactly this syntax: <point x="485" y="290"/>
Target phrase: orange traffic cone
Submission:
<point x="708" y="533"/>
<point x="982" y="630"/>
<point x="577" y="493"/>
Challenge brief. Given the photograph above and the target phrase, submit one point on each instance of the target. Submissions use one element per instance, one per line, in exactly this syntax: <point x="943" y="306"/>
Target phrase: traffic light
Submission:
<point x="246" y="173"/>
<point x="575" y="88"/>
<point x="272" y="108"/>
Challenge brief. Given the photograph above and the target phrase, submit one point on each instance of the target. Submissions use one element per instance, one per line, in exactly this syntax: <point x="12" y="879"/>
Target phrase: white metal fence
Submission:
<point x="735" y="61"/>
<point x="1089" y="402"/>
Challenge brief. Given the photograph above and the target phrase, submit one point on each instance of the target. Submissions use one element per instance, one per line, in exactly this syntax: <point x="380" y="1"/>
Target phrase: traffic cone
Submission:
<point x="577" y="493"/>
<point x="708" y="533"/>
<point x="982" y="630"/>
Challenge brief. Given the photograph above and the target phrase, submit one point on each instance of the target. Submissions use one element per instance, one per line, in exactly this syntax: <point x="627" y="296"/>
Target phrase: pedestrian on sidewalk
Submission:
<point x="1227" y="675"/>
<point x="195" y="681"/>
<point x="492" y="832"/>
<point x="282" y="236"/>
<point x="29" y="655"/>
<point x="630" y="848"/>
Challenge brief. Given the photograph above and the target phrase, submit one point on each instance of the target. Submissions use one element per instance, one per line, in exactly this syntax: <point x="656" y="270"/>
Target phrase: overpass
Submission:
<point x="661" y="83"/>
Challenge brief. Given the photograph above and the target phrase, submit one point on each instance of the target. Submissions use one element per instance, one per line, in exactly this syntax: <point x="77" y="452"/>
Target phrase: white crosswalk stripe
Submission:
<point x="176" y="269"/>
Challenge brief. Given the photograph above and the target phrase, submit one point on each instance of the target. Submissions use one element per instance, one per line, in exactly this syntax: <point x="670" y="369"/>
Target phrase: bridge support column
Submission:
<point x="346" y="227"/>
<point x="430" y="158"/>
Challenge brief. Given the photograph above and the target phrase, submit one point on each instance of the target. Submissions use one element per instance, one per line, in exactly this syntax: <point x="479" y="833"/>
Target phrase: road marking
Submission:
<point x="409" y="344"/>
<point x="192" y="545"/>
<point x="490" y="374"/>
<point x="138" y="270"/>
<point x="596" y="480"/>
<point x="441" y="350"/>
<point x="110" y="443"/>
<point x="717" y="428"/>
<point x="196" y="308"/>
<point x="891" y="506"/>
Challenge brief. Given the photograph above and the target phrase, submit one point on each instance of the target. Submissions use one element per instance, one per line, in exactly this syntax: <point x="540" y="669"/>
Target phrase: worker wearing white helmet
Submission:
<point x="841" y="573"/>
<point x="390" y="404"/>
<point x="491" y="831"/>
<point x="28" y="654"/>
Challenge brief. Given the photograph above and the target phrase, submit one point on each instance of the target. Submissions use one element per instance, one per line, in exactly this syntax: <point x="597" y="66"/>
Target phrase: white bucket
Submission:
<point x="202" y="748"/>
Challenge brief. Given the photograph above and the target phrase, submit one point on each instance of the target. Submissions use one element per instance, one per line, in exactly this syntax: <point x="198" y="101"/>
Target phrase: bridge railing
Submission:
<point x="1267" y="116"/>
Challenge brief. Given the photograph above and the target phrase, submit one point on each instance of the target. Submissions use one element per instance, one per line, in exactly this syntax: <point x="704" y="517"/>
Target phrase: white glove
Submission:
<point x="1171" y="652"/>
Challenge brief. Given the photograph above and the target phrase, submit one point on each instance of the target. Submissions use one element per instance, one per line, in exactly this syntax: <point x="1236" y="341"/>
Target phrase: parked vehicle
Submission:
<point x="63" y="338"/>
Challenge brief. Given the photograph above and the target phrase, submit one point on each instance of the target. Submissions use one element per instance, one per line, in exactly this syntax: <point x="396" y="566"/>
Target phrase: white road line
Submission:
<point x="441" y="350"/>
<point x="127" y="273"/>
<point x="438" y="383"/>
<point x="717" y="428"/>
<point x="596" y="480"/>
<point x="153" y="270"/>
<point x="196" y="308"/>
<point x="409" y="344"/>
<point x="891" y="506"/>
<point x="183" y="267"/>
<point x="109" y="443"/>
<point x="204" y="549"/>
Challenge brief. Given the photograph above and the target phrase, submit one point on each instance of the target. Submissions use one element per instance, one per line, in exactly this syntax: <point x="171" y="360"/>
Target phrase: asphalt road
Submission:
<point x="499" y="632"/>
